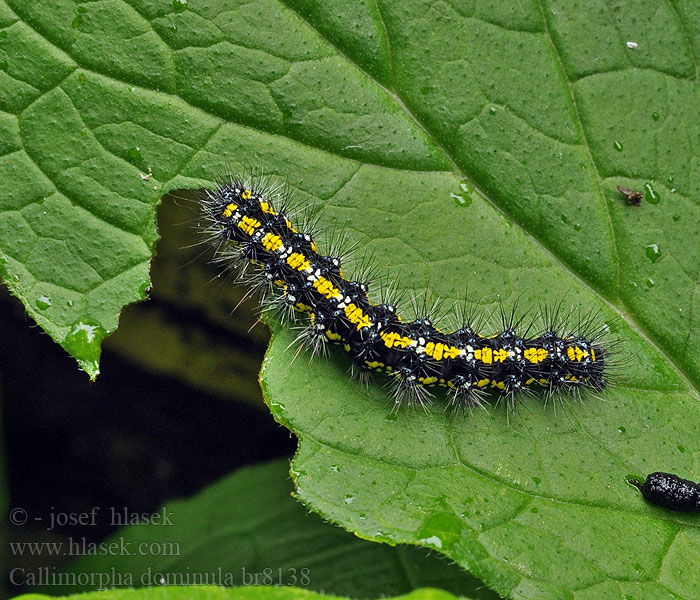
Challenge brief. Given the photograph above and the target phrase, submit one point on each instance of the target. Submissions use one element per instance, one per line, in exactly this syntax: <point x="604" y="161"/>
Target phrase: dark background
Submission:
<point x="176" y="406"/>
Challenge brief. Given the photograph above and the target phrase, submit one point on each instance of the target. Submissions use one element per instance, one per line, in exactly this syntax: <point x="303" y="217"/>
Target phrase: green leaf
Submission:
<point x="536" y="505"/>
<point x="248" y="530"/>
<point x="463" y="144"/>
<point x="217" y="593"/>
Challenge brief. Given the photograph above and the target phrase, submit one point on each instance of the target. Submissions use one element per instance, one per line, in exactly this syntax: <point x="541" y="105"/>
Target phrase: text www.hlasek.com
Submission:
<point x="82" y="547"/>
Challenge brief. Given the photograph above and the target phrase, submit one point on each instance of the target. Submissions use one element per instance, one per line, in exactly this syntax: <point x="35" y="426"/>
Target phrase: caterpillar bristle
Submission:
<point x="257" y="244"/>
<point x="406" y="390"/>
<point x="339" y="245"/>
<point x="361" y="375"/>
<point x="464" y="398"/>
<point x="313" y="338"/>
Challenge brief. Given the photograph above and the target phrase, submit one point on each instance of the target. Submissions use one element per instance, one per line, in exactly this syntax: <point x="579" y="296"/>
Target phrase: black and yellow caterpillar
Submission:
<point x="247" y="230"/>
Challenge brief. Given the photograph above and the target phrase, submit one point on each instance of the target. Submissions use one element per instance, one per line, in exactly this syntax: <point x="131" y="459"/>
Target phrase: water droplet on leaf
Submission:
<point x="84" y="342"/>
<point x="134" y="154"/>
<point x="461" y="201"/>
<point x="653" y="253"/>
<point x="43" y="302"/>
<point x="652" y="196"/>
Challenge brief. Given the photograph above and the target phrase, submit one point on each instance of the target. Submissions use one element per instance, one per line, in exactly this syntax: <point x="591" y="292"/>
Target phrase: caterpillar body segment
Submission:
<point x="246" y="228"/>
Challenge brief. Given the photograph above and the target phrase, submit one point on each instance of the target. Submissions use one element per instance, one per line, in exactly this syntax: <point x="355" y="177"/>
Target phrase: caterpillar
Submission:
<point x="670" y="491"/>
<point x="246" y="229"/>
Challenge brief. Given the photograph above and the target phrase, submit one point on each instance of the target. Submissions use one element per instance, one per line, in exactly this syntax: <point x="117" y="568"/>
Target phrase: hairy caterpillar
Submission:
<point x="246" y="228"/>
<point x="670" y="491"/>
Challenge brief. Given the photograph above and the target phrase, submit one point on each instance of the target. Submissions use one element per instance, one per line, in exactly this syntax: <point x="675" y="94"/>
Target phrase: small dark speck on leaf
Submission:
<point x="633" y="198"/>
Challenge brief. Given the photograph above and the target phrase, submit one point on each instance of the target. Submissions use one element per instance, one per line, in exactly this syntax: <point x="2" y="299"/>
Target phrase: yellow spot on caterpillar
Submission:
<point x="356" y="316"/>
<point x="484" y="355"/>
<point x="271" y="242"/>
<point x="298" y="261"/>
<point x="435" y="350"/>
<point x="302" y="307"/>
<point x="451" y="352"/>
<point x="246" y="195"/>
<point x="427" y="380"/>
<point x="483" y="382"/>
<point x="334" y="337"/>
<point x="500" y="355"/>
<point x="373" y="364"/>
<point x="266" y="208"/>
<point x="440" y="351"/>
<point x="498" y="384"/>
<point x="530" y="381"/>
<point x="248" y="225"/>
<point x="543" y="382"/>
<point x="325" y="287"/>
<point x="346" y="347"/>
<point x="576" y="354"/>
<point x="535" y="355"/>
<point x="228" y="211"/>
<point x="394" y="340"/>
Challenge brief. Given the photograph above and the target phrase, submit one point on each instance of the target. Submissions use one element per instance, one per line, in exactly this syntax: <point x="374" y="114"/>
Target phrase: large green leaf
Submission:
<point x="247" y="529"/>
<point x="209" y="592"/>
<point x="463" y="144"/>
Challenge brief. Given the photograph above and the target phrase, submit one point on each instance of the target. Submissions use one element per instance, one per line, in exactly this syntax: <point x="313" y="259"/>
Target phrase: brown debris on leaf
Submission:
<point x="634" y="198"/>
